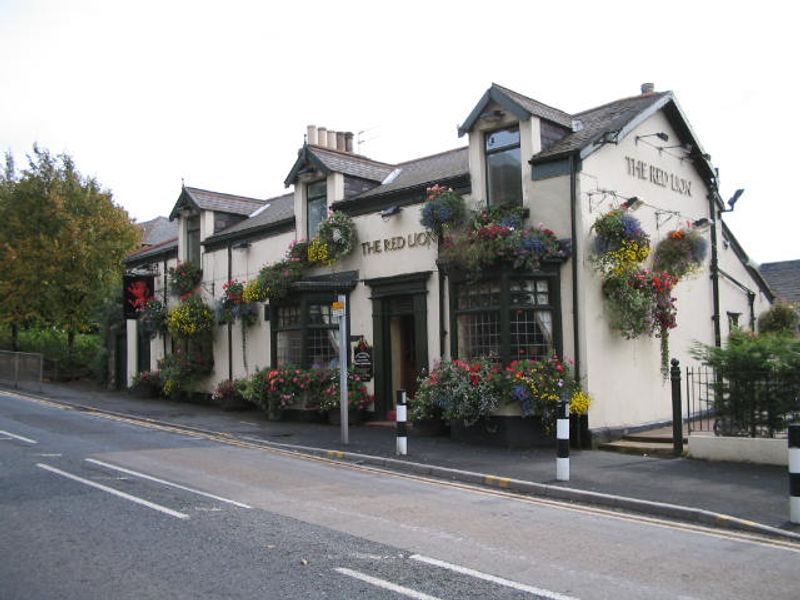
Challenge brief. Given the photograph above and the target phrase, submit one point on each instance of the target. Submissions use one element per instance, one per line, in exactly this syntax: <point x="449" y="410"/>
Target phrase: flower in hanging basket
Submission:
<point x="681" y="252"/>
<point x="338" y="233"/>
<point x="443" y="209"/>
<point x="184" y="278"/>
<point x="319" y="253"/>
<point x="191" y="318"/>
<point x="153" y="318"/>
<point x="620" y="243"/>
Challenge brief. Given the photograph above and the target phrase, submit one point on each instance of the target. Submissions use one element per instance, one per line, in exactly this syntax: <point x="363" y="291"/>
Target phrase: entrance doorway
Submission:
<point x="399" y="318"/>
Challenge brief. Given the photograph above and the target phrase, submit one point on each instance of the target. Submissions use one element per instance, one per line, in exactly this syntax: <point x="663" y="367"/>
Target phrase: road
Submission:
<point x="99" y="507"/>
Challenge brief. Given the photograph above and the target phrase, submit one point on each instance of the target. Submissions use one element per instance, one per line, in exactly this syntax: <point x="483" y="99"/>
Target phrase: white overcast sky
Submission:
<point x="143" y="94"/>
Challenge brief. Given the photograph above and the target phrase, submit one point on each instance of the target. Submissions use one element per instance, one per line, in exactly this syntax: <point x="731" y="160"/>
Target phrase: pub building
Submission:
<point x="565" y="170"/>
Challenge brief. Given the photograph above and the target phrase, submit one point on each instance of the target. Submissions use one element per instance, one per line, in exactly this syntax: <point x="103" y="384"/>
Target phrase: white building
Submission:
<point x="565" y="169"/>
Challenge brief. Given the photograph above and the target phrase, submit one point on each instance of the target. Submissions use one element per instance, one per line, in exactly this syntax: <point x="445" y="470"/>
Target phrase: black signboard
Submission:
<point x="137" y="290"/>
<point x="362" y="360"/>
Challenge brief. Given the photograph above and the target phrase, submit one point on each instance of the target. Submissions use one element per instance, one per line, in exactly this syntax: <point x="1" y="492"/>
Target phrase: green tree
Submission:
<point x="780" y="318"/>
<point x="63" y="242"/>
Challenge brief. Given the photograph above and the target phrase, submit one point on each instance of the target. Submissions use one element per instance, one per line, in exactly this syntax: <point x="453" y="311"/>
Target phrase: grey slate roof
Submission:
<point x="425" y="171"/>
<point x="165" y="248"/>
<point x="158" y="230"/>
<point x="598" y="121"/>
<point x="216" y="201"/>
<point x="784" y="279"/>
<point x="351" y="164"/>
<point x="279" y="209"/>
<point x="535" y="107"/>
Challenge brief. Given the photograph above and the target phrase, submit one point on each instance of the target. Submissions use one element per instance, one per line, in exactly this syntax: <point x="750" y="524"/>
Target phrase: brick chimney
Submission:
<point x="648" y="89"/>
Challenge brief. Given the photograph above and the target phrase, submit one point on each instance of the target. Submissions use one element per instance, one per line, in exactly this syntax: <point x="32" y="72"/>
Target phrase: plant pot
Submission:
<point x="354" y="417"/>
<point x="234" y="403"/>
<point x="505" y="432"/>
<point x="579" y="436"/>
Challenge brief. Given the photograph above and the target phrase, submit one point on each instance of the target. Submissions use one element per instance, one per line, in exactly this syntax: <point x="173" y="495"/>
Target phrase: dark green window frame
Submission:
<point x="316" y="206"/>
<point x="193" y="239"/>
<point x="498" y="321"/>
<point x="502" y="147"/>
<point x="303" y="328"/>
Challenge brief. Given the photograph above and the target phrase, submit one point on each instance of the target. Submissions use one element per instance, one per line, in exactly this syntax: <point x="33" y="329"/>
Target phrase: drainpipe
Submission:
<point x="573" y="196"/>
<point x="751" y="300"/>
<point x="230" y="325"/>
<point x="442" y="330"/>
<point x="166" y="294"/>
<point x="715" y="268"/>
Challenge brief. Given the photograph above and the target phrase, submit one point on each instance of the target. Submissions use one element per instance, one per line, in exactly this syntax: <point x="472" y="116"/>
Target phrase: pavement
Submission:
<point x="737" y="496"/>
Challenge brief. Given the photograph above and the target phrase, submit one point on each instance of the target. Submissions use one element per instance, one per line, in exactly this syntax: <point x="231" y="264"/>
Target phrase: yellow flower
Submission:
<point x="580" y="403"/>
<point x="319" y="253"/>
<point x="253" y="292"/>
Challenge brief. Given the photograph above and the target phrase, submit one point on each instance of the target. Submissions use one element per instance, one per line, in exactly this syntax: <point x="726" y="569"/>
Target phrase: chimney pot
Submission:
<point x="311" y="135"/>
<point x="648" y="88"/>
<point x="322" y="136"/>
<point x="348" y="141"/>
<point x="340" y="141"/>
<point x="331" y="139"/>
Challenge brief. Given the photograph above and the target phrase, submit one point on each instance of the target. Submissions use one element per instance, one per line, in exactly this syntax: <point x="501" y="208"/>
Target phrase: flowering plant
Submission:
<point x="232" y="305"/>
<point x="184" y="278"/>
<point x="338" y="233"/>
<point x="283" y="387"/>
<point x="153" y="318"/>
<point x="620" y="243"/>
<point x="580" y="403"/>
<point x="460" y="391"/>
<point x="191" y="318"/>
<point x="682" y="252"/>
<point x="358" y="398"/>
<point x="319" y="253"/>
<point x="536" y="383"/>
<point x="498" y="235"/>
<point x="149" y="381"/>
<point x="443" y="209"/>
<point x="181" y="369"/>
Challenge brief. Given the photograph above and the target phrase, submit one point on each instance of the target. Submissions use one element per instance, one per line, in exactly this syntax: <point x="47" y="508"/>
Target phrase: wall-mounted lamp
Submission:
<point x="632" y="203"/>
<point x="660" y="135"/>
<point x="390" y="211"/>
<point x="702" y="224"/>
<point x="733" y="200"/>
<point x="242" y="245"/>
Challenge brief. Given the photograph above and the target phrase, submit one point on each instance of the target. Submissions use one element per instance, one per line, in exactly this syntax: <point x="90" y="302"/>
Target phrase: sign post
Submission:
<point x="340" y="310"/>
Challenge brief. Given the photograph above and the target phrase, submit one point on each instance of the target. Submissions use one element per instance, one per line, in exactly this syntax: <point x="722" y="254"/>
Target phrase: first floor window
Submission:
<point x="305" y="334"/>
<point x="193" y="240"/>
<point x="317" y="202"/>
<point x="503" y="167"/>
<point x="507" y="318"/>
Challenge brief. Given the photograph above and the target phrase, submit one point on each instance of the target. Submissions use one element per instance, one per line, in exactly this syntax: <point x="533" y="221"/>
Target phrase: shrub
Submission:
<point x="779" y="318"/>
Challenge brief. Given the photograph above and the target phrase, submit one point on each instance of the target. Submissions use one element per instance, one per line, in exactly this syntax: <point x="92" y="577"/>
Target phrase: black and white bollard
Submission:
<point x="402" y="416"/>
<point x="562" y="435"/>
<point x="794" y="474"/>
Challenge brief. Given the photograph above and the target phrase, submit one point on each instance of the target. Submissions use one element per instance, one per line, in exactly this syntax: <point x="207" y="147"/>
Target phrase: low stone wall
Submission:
<point x="765" y="451"/>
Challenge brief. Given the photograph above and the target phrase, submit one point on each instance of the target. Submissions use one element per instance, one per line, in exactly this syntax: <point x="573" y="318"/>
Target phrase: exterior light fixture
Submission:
<point x="733" y="200"/>
<point x="390" y="211"/>
<point x="702" y="224"/>
<point x="242" y="245"/>
<point x="633" y="203"/>
<point x="660" y="135"/>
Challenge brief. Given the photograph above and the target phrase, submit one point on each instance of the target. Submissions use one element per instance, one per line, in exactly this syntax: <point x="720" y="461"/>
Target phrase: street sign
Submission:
<point x="338" y="309"/>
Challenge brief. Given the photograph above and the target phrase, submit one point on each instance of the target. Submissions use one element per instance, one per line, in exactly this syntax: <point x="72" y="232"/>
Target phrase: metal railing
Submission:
<point x="21" y="369"/>
<point x="743" y="404"/>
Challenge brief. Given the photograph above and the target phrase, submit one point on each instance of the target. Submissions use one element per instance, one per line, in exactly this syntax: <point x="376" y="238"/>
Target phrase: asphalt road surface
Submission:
<point x="99" y="507"/>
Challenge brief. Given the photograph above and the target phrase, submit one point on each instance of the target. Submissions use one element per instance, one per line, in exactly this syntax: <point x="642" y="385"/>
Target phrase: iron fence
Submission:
<point x="21" y="369"/>
<point x="743" y="404"/>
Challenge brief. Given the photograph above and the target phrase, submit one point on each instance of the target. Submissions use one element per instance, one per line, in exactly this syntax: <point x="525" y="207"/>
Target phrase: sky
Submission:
<point x="144" y="95"/>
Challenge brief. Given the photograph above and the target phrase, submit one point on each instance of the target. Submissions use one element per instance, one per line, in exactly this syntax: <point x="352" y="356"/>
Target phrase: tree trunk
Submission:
<point x="15" y="337"/>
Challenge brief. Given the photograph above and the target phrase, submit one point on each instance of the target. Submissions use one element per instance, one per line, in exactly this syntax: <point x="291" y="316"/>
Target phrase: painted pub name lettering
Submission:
<point x="412" y="240"/>
<point x="647" y="172"/>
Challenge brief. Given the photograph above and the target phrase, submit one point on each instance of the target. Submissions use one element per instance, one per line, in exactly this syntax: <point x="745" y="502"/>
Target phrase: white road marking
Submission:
<point x="19" y="437"/>
<point x="386" y="585"/>
<point x="169" y="483"/>
<point x="248" y="423"/>
<point x="104" y="488"/>
<point x="521" y="587"/>
<point x="49" y="454"/>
